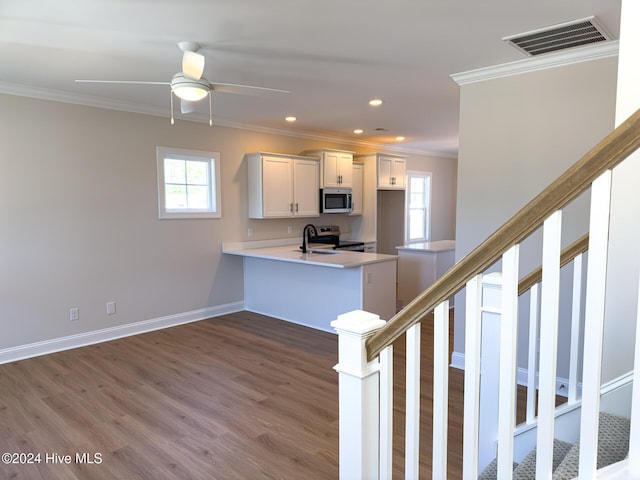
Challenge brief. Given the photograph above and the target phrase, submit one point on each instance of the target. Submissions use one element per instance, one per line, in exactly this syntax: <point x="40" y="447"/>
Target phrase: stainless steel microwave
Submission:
<point x="335" y="200"/>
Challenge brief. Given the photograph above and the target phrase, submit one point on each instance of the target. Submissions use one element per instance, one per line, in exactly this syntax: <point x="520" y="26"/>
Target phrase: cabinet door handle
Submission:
<point x="296" y="206"/>
<point x="291" y="207"/>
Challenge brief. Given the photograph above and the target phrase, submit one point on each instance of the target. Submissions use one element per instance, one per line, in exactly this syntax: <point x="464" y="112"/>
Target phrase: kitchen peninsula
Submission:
<point x="313" y="288"/>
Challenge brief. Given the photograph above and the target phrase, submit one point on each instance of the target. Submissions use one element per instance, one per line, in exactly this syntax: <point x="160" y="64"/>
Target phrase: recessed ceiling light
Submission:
<point x="290" y="119"/>
<point x="358" y="131"/>
<point x="399" y="139"/>
<point x="375" y="102"/>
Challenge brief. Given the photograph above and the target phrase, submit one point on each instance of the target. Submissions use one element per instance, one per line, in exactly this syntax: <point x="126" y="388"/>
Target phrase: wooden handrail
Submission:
<point x="608" y="153"/>
<point x="572" y="251"/>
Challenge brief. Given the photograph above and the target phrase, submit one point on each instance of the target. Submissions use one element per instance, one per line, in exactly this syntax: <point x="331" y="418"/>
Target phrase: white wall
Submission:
<point x="517" y="134"/>
<point x="79" y="223"/>
<point x="444" y="176"/>
<point x="624" y="258"/>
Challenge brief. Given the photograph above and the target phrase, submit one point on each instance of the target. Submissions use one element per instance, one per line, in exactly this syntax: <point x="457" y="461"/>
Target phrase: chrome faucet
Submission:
<point x="305" y="233"/>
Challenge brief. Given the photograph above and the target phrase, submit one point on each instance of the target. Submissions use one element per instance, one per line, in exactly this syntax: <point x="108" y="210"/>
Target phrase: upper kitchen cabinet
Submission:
<point x="335" y="167"/>
<point x="357" y="190"/>
<point x="391" y="170"/>
<point x="282" y="186"/>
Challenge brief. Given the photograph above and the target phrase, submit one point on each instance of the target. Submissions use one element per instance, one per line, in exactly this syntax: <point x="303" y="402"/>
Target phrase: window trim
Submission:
<point x="429" y="175"/>
<point x="213" y="159"/>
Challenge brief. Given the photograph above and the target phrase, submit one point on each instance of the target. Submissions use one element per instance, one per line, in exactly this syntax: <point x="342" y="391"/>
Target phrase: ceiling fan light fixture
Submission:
<point x="189" y="89"/>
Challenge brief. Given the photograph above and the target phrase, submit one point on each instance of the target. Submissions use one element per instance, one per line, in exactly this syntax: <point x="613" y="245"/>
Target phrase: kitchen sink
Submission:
<point x="324" y="251"/>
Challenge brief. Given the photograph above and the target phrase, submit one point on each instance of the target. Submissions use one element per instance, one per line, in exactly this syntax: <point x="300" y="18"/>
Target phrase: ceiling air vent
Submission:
<point x="559" y="37"/>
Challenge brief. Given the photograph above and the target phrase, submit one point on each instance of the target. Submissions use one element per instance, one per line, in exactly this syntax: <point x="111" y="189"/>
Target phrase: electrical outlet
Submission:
<point x="369" y="278"/>
<point x="111" y="308"/>
<point x="289" y="229"/>
<point x="74" y="314"/>
<point x="249" y="232"/>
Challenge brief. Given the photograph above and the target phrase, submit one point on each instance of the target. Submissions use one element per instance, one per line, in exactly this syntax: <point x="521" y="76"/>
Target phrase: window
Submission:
<point x="188" y="183"/>
<point x="418" y="207"/>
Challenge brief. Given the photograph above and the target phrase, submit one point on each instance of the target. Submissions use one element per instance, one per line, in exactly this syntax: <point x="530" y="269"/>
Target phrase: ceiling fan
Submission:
<point x="190" y="86"/>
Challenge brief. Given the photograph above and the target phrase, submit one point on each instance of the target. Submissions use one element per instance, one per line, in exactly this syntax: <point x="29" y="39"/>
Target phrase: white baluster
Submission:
<point x="358" y="396"/>
<point x="473" y="329"/>
<point x="386" y="412"/>
<point x="440" y="390"/>
<point x="550" y="296"/>
<point x="508" y="360"/>
<point x="593" y="323"/>
<point x="412" y="428"/>
<point x="532" y="363"/>
<point x="576" y="313"/>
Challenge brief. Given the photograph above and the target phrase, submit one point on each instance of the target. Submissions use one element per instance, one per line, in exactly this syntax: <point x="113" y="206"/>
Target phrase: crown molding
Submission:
<point x="110" y="104"/>
<point x="532" y="64"/>
<point x="86" y="100"/>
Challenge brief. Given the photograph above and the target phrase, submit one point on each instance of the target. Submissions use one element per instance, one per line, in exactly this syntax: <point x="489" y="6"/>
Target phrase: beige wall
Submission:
<point x="517" y="134"/>
<point x="621" y="303"/>
<point x="79" y="223"/>
<point x="444" y="176"/>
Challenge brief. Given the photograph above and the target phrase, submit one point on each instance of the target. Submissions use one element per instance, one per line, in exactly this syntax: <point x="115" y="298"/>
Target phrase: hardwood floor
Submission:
<point x="240" y="396"/>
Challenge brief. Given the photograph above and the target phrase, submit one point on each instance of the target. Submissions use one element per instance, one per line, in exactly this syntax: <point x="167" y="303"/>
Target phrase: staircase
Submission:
<point x="613" y="447"/>
<point x="366" y="349"/>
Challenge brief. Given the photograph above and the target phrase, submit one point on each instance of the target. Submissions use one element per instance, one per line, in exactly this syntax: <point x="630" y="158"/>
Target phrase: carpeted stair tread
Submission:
<point x="491" y="471"/>
<point x="527" y="468"/>
<point x="613" y="446"/>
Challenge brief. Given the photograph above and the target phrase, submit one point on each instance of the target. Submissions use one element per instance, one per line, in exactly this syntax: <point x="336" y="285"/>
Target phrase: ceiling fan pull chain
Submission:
<point x="171" y="96"/>
<point x="210" y="115"/>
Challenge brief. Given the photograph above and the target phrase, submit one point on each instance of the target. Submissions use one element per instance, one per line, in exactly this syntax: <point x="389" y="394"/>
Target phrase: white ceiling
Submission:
<point x="333" y="55"/>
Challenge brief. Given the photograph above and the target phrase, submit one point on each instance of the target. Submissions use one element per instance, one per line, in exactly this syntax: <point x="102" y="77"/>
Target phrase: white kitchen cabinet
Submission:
<point x="335" y="167"/>
<point x="282" y="186"/>
<point x="384" y="206"/>
<point x="306" y="188"/>
<point x="357" y="188"/>
<point x="392" y="172"/>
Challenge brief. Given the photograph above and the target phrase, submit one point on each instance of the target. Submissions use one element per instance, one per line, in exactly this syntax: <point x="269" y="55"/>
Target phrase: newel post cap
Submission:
<point x="357" y="322"/>
<point x="353" y="330"/>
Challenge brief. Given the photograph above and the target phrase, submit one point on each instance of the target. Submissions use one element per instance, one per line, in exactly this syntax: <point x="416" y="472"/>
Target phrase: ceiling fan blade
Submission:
<point x="187" y="107"/>
<point x="244" y="89"/>
<point x="123" y="81"/>
<point x="192" y="65"/>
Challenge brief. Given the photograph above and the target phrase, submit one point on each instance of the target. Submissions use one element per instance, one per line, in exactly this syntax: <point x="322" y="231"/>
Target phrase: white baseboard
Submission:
<point x="457" y="360"/>
<point x="21" y="352"/>
<point x="562" y="384"/>
<point x="327" y="329"/>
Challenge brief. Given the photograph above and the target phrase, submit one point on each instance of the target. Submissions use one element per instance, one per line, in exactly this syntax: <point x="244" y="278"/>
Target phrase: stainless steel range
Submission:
<point x="330" y="234"/>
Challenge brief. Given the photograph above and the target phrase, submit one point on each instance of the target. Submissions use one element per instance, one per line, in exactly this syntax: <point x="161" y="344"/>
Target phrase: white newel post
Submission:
<point x="359" y="393"/>
<point x="489" y="368"/>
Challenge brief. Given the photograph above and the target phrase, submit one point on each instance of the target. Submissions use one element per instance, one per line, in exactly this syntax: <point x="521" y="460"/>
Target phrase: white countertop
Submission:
<point x="430" y="247"/>
<point x="292" y="253"/>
